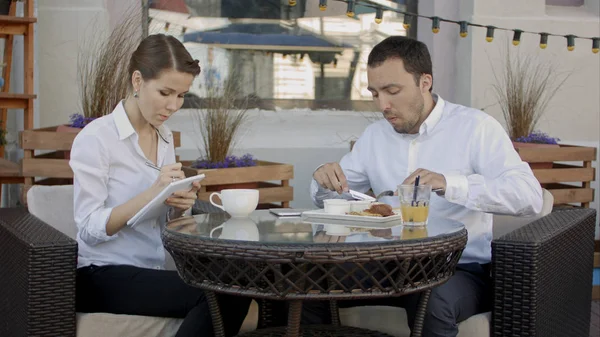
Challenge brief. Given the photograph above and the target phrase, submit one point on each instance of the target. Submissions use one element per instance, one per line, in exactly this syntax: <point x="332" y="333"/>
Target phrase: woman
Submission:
<point x="121" y="269"/>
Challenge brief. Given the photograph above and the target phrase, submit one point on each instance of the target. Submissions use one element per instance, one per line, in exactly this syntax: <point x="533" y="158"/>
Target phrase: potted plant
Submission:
<point x="220" y="117"/>
<point x="101" y="65"/>
<point x="524" y="88"/>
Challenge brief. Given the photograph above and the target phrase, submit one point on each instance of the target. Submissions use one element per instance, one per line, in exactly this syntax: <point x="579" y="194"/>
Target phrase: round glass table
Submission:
<point x="286" y="258"/>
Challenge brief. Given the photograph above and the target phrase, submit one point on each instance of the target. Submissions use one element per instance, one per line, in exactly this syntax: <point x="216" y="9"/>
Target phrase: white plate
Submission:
<point x="319" y="216"/>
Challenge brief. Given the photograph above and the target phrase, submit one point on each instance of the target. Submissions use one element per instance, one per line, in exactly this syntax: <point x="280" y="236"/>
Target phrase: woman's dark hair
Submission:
<point x="160" y="52"/>
<point x="414" y="54"/>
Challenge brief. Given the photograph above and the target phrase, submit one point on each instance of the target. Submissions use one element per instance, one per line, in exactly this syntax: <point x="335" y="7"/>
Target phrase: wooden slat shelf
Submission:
<point x="565" y="171"/>
<point x="9" y="169"/>
<point x="11" y="25"/>
<point x="15" y="101"/>
<point x="14" y="25"/>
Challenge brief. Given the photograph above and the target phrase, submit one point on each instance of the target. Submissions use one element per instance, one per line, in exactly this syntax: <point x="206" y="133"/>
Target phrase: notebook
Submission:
<point x="157" y="208"/>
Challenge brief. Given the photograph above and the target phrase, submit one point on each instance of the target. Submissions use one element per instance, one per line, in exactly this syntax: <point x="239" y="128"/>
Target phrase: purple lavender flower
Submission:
<point x="79" y="120"/>
<point x="230" y="161"/>
<point x="538" y="137"/>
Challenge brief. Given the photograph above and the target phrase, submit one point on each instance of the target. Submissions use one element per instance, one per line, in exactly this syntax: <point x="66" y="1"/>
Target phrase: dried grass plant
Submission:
<point x="220" y="120"/>
<point x="524" y="88"/>
<point x="102" y="66"/>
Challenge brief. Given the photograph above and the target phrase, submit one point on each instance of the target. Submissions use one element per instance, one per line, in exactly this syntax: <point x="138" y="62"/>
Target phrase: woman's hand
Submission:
<point x="183" y="200"/>
<point x="168" y="174"/>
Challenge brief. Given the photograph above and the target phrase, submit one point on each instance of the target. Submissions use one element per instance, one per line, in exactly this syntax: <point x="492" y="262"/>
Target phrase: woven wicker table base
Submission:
<point x="318" y="331"/>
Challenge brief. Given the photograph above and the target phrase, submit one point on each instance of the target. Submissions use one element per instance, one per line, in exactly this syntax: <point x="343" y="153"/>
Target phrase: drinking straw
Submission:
<point x="414" y="202"/>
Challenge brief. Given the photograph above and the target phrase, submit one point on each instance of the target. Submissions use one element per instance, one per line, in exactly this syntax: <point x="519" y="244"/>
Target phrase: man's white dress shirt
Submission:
<point x="109" y="169"/>
<point x="484" y="174"/>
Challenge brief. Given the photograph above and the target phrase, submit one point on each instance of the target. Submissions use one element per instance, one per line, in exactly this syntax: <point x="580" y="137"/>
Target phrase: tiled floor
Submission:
<point x="595" y="323"/>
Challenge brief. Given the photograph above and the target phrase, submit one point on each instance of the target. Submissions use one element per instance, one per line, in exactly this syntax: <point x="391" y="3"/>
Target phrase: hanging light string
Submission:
<point x="463" y="25"/>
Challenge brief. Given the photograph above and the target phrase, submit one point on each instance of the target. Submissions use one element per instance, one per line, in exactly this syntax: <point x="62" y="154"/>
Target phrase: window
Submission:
<point x="276" y="51"/>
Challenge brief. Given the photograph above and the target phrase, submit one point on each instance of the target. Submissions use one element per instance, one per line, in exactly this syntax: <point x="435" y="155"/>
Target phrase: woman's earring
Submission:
<point x="135" y="94"/>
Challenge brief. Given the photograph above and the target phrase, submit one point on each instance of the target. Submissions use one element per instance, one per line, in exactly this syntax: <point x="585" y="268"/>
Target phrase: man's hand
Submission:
<point x="436" y="180"/>
<point x="332" y="177"/>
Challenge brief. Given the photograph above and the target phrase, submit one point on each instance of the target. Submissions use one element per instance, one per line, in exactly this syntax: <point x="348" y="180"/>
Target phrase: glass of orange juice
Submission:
<point x="414" y="204"/>
<point x="414" y="232"/>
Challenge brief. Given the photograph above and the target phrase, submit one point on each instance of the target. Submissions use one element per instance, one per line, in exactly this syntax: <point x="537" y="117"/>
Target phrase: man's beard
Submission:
<point x="417" y="111"/>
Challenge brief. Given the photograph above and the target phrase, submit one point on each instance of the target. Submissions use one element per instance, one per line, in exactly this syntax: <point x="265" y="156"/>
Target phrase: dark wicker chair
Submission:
<point x="542" y="272"/>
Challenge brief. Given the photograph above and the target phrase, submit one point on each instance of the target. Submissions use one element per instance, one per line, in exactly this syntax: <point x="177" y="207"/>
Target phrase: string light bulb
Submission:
<point x="489" y="35"/>
<point x="406" y="23"/>
<point x="379" y="16"/>
<point x="464" y="26"/>
<point x="570" y="42"/>
<point x="543" y="40"/>
<point x="595" y="45"/>
<point x="350" y="10"/>
<point x="517" y="37"/>
<point x="292" y="3"/>
<point x="322" y="5"/>
<point x="435" y="24"/>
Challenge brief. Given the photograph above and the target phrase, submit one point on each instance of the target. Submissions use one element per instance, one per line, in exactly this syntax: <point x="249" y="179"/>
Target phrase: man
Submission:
<point x="462" y="151"/>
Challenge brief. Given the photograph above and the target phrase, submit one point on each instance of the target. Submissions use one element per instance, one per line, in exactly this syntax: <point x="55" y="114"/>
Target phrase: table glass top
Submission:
<point x="262" y="226"/>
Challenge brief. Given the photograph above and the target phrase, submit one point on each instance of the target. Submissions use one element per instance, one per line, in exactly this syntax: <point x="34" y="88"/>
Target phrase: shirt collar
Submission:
<point x="434" y="117"/>
<point x="125" y="128"/>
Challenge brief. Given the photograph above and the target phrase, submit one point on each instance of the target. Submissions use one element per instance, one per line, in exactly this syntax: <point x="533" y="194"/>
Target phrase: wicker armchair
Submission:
<point x="542" y="271"/>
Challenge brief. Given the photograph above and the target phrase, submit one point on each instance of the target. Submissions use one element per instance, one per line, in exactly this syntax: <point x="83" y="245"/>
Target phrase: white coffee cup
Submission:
<point x="238" y="203"/>
<point x="336" y="206"/>
<point x="243" y="229"/>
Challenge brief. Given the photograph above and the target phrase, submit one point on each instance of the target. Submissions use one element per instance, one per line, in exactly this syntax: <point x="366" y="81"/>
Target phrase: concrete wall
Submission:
<point x="64" y="25"/>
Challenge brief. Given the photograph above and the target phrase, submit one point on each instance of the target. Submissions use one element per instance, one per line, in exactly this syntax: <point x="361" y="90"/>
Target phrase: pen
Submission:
<point x="188" y="172"/>
<point x="153" y="166"/>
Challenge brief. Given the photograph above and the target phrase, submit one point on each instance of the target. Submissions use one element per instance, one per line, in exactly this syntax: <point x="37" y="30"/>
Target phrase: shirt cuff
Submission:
<point x="457" y="188"/>
<point x="96" y="229"/>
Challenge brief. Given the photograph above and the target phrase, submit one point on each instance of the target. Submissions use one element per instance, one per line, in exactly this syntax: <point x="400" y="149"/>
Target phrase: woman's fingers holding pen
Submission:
<point x="168" y="174"/>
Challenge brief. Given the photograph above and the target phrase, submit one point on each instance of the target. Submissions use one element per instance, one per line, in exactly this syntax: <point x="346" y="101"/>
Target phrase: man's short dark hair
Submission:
<point x="414" y="54"/>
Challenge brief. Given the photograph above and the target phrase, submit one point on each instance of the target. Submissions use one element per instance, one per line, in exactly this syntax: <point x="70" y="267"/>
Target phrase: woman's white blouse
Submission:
<point x="109" y="169"/>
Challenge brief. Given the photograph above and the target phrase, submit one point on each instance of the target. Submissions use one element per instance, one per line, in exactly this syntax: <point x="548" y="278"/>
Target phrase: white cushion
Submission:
<point x="504" y="224"/>
<point x="54" y="206"/>
<point x="393" y="321"/>
<point x="476" y="326"/>
<point x="390" y="320"/>
<point x="109" y="325"/>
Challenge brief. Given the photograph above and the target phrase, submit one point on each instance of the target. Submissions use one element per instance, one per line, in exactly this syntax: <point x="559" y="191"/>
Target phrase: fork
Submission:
<point x="389" y="193"/>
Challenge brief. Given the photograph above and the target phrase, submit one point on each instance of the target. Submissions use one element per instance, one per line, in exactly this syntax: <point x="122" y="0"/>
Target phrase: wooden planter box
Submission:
<point x="51" y="168"/>
<point x="271" y="179"/>
<point x="570" y="181"/>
